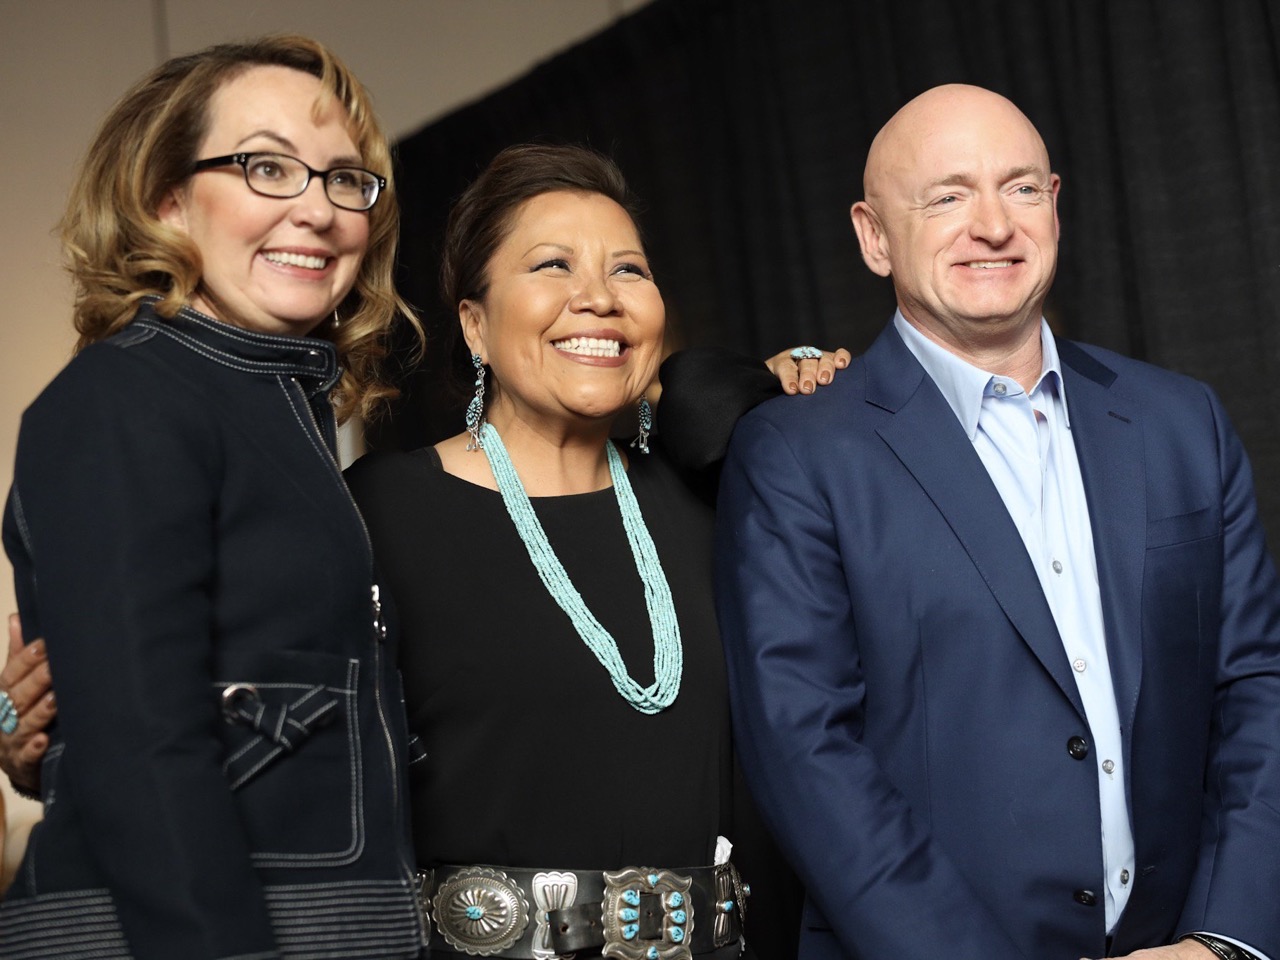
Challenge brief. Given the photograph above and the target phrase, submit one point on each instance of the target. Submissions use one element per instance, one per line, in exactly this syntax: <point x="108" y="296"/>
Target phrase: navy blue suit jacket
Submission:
<point x="903" y="702"/>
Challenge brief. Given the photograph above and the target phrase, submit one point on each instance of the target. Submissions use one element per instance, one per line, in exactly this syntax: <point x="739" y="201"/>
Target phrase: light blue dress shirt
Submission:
<point x="1024" y="441"/>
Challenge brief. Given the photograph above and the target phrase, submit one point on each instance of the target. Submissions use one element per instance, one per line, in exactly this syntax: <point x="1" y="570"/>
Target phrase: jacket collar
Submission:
<point x="313" y="361"/>
<point x="929" y="441"/>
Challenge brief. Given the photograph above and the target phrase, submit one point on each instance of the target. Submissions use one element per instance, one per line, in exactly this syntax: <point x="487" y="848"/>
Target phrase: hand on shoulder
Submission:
<point x="804" y="369"/>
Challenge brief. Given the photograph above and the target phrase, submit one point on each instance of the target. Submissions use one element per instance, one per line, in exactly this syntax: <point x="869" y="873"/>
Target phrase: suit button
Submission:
<point x="1077" y="747"/>
<point x="1085" y="897"/>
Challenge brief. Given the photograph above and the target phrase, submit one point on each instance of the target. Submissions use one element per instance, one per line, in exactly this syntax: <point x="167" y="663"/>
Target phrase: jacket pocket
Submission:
<point x="292" y="756"/>
<point x="1183" y="528"/>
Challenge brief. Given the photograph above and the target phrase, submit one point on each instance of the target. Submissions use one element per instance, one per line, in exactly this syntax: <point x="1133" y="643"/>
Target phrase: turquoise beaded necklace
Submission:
<point x="668" y="652"/>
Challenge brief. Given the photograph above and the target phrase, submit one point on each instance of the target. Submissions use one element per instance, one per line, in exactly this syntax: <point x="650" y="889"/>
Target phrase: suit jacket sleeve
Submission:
<point x="868" y="863"/>
<point x="1242" y="780"/>
<point x="111" y="520"/>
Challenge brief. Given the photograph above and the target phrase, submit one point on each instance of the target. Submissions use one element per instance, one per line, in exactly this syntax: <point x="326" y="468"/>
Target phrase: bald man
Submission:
<point x="1003" y="632"/>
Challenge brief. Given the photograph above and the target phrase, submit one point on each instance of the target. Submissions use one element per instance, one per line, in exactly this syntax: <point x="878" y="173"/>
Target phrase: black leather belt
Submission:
<point x="639" y="913"/>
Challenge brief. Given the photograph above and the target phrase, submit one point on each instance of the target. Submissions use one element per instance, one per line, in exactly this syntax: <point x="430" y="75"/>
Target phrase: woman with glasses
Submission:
<point x="225" y="775"/>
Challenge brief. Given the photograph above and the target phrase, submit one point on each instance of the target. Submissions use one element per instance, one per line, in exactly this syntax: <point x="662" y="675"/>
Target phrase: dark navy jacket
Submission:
<point x="225" y="778"/>
<point x="906" y="711"/>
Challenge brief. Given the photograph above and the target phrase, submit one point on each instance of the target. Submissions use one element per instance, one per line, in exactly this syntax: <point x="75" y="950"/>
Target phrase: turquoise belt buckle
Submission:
<point x="627" y="935"/>
<point x="480" y="910"/>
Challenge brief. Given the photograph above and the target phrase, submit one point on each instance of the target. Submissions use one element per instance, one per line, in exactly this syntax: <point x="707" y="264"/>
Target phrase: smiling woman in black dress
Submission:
<point x="573" y="719"/>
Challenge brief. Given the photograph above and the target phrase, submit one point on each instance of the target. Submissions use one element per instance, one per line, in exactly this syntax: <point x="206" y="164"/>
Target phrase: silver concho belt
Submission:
<point x="637" y="913"/>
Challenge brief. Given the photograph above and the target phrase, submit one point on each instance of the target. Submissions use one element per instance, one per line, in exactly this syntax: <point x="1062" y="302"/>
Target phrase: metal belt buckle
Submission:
<point x="480" y="911"/>
<point x="551" y="891"/>
<point x="424" y="882"/>
<point x="731" y="896"/>
<point x="624" y="893"/>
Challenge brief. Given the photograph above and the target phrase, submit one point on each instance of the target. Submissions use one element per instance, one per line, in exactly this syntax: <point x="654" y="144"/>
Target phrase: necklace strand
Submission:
<point x="668" y="652"/>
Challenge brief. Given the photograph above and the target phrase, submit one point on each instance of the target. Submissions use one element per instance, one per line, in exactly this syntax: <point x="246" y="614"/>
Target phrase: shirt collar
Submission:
<point x="963" y="385"/>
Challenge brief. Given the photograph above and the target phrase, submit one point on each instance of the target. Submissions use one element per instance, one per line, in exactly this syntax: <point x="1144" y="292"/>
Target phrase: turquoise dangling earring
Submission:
<point x="646" y="424"/>
<point x="475" y="409"/>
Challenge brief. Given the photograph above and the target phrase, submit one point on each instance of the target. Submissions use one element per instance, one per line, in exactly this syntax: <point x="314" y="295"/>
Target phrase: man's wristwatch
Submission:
<point x="1223" y="949"/>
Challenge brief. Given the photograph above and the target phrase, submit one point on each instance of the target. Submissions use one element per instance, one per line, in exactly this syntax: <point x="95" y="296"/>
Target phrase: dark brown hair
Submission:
<point x="485" y="213"/>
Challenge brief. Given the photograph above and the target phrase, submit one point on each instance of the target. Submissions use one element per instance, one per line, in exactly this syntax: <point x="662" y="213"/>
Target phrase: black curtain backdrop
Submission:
<point x="745" y="124"/>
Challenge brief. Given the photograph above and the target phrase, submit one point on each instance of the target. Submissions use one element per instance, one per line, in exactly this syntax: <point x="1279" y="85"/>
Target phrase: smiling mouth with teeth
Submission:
<point x="296" y="260"/>
<point x="589" y="347"/>
<point x="988" y="264"/>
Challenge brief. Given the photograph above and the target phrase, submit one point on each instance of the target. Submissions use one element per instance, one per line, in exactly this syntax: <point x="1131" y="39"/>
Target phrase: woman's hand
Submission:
<point x="27" y="681"/>
<point x="804" y="369"/>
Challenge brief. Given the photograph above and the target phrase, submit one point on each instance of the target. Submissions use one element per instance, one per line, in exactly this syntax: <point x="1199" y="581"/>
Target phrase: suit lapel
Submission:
<point x="1108" y="437"/>
<point x="926" y="437"/>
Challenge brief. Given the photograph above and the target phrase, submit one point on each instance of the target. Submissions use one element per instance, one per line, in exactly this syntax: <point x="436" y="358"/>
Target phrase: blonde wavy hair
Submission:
<point x="118" y="251"/>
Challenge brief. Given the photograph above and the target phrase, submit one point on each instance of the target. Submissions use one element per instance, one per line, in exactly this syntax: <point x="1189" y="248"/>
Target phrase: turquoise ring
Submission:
<point x="8" y="713"/>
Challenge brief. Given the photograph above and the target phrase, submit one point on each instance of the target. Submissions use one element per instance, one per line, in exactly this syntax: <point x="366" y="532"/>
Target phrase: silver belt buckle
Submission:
<point x="551" y="891"/>
<point x="424" y="883"/>
<point x="620" y="914"/>
<point x="731" y="896"/>
<point x="480" y="911"/>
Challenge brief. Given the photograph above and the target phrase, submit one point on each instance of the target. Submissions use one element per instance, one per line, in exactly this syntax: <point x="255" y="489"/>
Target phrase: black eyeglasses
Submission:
<point x="282" y="176"/>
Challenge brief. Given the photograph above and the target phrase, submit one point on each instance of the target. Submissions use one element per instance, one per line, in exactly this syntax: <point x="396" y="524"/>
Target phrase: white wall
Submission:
<point x="63" y="63"/>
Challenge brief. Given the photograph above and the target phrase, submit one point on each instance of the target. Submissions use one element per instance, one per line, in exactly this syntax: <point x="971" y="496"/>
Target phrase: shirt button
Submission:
<point x="1057" y="566"/>
<point x="1078" y="665"/>
<point x="1077" y="748"/>
<point x="1124" y="877"/>
<point x="1108" y="767"/>
<point x="999" y="389"/>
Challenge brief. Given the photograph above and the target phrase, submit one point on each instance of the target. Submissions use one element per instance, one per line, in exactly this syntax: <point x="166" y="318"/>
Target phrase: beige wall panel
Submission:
<point x="421" y="58"/>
